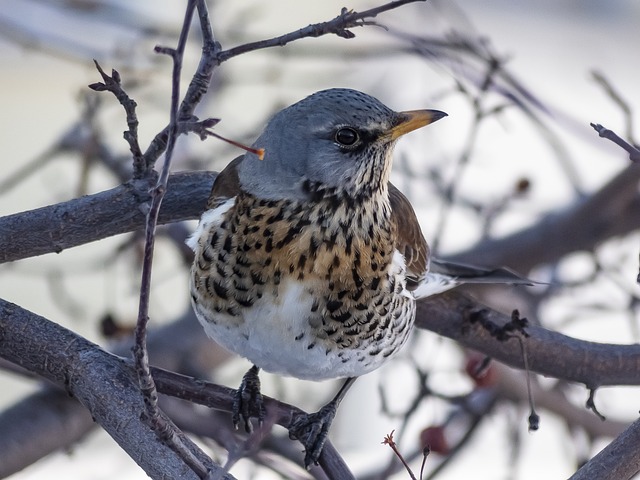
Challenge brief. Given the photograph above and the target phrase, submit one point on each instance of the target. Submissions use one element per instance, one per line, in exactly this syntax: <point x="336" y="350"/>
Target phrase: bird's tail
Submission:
<point x="444" y="275"/>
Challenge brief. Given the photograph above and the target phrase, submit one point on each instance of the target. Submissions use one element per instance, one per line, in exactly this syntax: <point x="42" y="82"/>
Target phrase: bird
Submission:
<point x="309" y="262"/>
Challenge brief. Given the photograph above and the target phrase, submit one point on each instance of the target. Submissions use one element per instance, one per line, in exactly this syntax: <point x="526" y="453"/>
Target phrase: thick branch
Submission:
<point x="61" y="421"/>
<point x="550" y="353"/>
<point x="93" y="217"/>
<point x="95" y="378"/>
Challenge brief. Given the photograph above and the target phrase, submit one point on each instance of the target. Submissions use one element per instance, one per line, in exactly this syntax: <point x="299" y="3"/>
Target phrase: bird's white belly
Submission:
<point x="275" y="335"/>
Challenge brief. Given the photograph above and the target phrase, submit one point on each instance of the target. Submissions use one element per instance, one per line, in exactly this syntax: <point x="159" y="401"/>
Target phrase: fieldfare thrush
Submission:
<point x="309" y="262"/>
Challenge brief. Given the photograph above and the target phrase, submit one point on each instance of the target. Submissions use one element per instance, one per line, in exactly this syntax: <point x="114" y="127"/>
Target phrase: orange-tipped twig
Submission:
<point x="388" y="440"/>
<point x="258" y="151"/>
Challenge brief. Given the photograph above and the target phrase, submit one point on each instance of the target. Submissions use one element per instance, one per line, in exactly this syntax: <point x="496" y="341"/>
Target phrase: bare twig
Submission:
<point x="534" y="418"/>
<point x="494" y="65"/>
<point x="616" y="97"/>
<point x="591" y="404"/>
<point x="197" y="87"/>
<point x="166" y="431"/>
<point x="634" y="152"/>
<point x="338" y="26"/>
<point x="425" y="453"/>
<point x="113" y="84"/>
<point x="388" y="440"/>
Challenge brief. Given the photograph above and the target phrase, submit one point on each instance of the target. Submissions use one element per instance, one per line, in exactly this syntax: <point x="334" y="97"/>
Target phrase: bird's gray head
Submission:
<point x="336" y="140"/>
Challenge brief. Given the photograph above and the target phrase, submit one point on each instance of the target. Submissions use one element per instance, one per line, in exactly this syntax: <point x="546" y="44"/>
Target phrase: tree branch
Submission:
<point x="213" y="55"/>
<point x="95" y="378"/>
<point x="338" y="26"/>
<point x="618" y="460"/>
<point x="549" y="353"/>
<point x="61" y="421"/>
<point x="166" y="430"/>
<point x="221" y="398"/>
<point x="55" y="228"/>
<point x="634" y="152"/>
<point x="38" y="425"/>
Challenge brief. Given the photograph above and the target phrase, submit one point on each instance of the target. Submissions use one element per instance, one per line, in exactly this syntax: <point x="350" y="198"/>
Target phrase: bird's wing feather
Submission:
<point x="474" y="274"/>
<point x="226" y="185"/>
<point x="445" y="275"/>
<point x="409" y="238"/>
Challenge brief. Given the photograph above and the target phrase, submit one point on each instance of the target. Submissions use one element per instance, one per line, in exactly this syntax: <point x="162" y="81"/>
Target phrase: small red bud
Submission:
<point x="434" y="439"/>
<point x="482" y="373"/>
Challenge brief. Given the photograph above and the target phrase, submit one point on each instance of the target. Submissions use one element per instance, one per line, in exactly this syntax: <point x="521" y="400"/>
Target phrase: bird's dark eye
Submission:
<point x="347" y="136"/>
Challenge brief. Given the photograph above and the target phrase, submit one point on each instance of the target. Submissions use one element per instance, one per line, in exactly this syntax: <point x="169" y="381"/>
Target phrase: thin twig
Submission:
<point x="494" y="65"/>
<point x="388" y="440"/>
<point x="616" y="97"/>
<point x="534" y="418"/>
<point x="591" y="404"/>
<point x="338" y="26"/>
<point x="165" y="431"/>
<point x="113" y="84"/>
<point x="634" y="152"/>
<point x="425" y="453"/>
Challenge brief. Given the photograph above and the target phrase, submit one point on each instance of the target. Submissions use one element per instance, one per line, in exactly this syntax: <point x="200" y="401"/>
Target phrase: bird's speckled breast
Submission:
<point x="310" y="292"/>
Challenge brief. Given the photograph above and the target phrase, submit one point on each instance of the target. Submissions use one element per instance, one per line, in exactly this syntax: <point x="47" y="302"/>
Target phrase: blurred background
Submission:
<point x="520" y="81"/>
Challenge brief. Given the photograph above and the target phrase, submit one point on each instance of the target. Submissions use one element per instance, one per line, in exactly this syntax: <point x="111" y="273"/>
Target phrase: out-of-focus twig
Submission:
<point x="616" y="97"/>
<point x="619" y="459"/>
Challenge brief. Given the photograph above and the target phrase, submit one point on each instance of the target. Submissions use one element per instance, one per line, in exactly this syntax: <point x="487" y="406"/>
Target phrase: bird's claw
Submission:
<point x="312" y="431"/>
<point x="247" y="402"/>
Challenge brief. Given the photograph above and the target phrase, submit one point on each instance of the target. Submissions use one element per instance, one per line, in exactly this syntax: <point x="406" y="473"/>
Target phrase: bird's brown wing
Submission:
<point x="226" y="185"/>
<point x="410" y="241"/>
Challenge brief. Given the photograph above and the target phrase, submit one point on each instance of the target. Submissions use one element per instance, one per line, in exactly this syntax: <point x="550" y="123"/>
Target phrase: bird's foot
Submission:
<point x="312" y="431"/>
<point x="248" y="402"/>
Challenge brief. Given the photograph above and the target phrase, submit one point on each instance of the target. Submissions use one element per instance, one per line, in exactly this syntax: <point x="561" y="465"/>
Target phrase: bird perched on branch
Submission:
<point x="309" y="262"/>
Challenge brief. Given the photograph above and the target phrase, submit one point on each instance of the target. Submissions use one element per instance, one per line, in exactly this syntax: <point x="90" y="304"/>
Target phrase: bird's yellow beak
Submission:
<point x="412" y="120"/>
